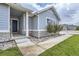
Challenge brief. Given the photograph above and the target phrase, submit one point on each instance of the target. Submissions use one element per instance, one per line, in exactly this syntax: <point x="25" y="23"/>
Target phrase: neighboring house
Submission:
<point x="17" y="20"/>
<point x="69" y="27"/>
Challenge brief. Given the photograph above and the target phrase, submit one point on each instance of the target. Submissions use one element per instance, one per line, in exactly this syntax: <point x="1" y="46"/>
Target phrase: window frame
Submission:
<point x="49" y="19"/>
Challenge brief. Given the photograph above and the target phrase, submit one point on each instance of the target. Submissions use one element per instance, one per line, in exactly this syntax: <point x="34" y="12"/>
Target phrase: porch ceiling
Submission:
<point x="18" y="6"/>
<point x="15" y="13"/>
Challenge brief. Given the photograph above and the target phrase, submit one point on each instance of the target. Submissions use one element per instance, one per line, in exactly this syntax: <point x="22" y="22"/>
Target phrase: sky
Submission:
<point x="68" y="12"/>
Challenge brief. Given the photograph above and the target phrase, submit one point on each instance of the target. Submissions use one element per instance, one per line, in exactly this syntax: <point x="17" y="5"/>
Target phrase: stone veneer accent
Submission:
<point x="44" y="34"/>
<point x="7" y="44"/>
<point x="5" y="41"/>
<point x="33" y="34"/>
<point x="4" y="36"/>
<point x="40" y="34"/>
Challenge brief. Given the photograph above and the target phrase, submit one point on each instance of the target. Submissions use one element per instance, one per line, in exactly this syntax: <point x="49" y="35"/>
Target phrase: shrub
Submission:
<point x="77" y="28"/>
<point x="50" y="28"/>
<point x="54" y="28"/>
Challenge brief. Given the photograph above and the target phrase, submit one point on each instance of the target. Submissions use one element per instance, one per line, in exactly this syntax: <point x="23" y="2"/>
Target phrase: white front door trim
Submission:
<point x="17" y="23"/>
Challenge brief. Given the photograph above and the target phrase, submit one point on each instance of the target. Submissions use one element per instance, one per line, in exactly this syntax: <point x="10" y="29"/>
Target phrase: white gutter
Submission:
<point x="47" y="8"/>
<point x="42" y="10"/>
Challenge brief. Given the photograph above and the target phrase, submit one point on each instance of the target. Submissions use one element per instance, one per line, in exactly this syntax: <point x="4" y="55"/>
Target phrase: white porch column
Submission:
<point x="24" y="22"/>
<point x="27" y="26"/>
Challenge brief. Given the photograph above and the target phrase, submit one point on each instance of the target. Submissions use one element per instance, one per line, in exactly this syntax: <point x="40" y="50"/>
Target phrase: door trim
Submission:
<point x="17" y="24"/>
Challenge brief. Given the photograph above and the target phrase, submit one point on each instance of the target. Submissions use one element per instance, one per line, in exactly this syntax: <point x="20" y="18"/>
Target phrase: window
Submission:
<point x="49" y="21"/>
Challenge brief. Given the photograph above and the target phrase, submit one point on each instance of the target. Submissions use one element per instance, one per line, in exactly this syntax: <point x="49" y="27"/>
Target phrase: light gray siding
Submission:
<point x="43" y="18"/>
<point x="4" y="17"/>
<point x="33" y="26"/>
<point x="43" y="22"/>
<point x="33" y="23"/>
<point x="21" y="26"/>
<point x="30" y="23"/>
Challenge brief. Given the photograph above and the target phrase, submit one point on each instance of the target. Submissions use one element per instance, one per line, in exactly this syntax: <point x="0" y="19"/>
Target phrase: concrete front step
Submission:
<point x="23" y="42"/>
<point x="21" y="37"/>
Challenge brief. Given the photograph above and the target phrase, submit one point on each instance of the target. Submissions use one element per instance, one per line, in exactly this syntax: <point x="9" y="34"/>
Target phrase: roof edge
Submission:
<point x="18" y="6"/>
<point x="44" y="9"/>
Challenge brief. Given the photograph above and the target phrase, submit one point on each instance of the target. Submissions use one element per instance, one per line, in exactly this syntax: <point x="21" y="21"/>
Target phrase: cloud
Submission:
<point x="66" y="12"/>
<point x="40" y="6"/>
<point x="36" y="6"/>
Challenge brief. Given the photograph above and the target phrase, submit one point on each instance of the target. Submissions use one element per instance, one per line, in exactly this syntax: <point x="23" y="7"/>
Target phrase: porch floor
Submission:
<point x="18" y="36"/>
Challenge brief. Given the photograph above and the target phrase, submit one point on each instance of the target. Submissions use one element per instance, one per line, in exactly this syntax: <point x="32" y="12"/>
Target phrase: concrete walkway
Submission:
<point x="36" y="49"/>
<point x="23" y="42"/>
<point x="69" y="32"/>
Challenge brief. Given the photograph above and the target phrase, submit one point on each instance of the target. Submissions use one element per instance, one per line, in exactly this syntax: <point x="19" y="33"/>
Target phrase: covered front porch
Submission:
<point x="18" y="23"/>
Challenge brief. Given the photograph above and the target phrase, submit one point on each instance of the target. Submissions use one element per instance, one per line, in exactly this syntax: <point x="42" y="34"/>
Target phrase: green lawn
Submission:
<point x="69" y="47"/>
<point x="11" y="52"/>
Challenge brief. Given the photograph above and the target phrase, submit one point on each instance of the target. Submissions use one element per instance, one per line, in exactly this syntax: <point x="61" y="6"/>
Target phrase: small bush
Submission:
<point x="77" y="28"/>
<point x="50" y="28"/>
<point x="54" y="28"/>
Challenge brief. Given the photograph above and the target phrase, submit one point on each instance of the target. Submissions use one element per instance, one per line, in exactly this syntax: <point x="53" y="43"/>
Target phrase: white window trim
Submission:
<point x="14" y="18"/>
<point x="50" y="18"/>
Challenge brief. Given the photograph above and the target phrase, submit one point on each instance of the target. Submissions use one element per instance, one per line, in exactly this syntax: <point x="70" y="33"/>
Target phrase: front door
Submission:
<point x="14" y="25"/>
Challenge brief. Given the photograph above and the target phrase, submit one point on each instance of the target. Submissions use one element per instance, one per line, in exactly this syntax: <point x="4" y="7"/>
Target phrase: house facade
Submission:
<point x="16" y="20"/>
<point x="41" y="19"/>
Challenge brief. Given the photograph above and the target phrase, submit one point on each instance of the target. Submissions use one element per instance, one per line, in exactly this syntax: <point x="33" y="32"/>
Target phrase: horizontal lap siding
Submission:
<point x="43" y="22"/>
<point x="33" y="23"/>
<point x="4" y="17"/>
<point x="30" y="23"/>
<point x="43" y="19"/>
<point x="33" y="26"/>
